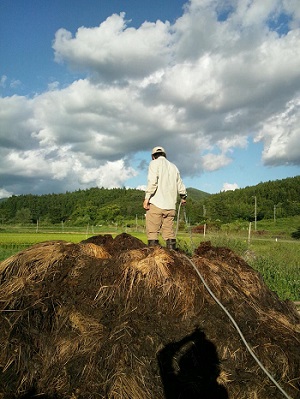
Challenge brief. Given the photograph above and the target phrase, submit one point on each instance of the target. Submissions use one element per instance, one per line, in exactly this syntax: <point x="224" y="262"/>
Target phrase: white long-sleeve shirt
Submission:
<point x="164" y="184"/>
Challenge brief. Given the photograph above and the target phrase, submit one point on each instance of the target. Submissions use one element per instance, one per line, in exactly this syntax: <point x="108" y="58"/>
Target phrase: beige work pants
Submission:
<point x="160" y="220"/>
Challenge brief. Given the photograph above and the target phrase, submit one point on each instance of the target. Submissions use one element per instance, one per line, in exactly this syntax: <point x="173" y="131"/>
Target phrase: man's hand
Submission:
<point x="146" y="205"/>
<point x="183" y="198"/>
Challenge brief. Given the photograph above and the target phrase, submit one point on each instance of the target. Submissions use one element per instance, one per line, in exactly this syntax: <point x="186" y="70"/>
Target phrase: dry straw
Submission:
<point x="112" y="318"/>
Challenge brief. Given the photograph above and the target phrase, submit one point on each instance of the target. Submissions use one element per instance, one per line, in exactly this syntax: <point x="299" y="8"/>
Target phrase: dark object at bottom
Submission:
<point x="153" y="243"/>
<point x="171" y="244"/>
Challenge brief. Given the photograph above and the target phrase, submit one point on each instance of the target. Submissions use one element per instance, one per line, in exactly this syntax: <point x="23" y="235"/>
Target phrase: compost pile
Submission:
<point x="112" y="318"/>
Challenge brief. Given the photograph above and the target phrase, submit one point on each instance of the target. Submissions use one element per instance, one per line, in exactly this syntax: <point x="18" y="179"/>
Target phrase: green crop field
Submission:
<point x="277" y="260"/>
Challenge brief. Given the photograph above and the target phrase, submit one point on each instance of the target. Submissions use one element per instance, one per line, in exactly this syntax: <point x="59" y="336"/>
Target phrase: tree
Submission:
<point x="109" y="213"/>
<point x="23" y="216"/>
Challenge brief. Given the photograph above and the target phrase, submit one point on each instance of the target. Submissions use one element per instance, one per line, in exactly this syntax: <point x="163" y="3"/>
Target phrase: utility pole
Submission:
<point x="255" y="212"/>
<point x="274" y="213"/>
<point x="249" y="233"/>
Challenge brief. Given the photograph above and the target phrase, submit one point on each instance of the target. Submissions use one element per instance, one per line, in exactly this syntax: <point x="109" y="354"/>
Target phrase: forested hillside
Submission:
<point x="280" y="198"/>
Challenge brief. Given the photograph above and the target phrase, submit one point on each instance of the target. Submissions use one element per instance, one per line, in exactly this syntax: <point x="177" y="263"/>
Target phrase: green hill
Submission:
<point x="196" y="195"/>
<point x="280" y="198"/>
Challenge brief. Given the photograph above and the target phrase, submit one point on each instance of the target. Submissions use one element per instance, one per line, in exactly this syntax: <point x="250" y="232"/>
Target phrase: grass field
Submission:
<point x="277" y="260"/>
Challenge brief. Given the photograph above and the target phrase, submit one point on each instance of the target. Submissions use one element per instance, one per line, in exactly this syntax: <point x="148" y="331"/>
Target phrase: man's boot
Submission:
<point x="171" y="243"/>
<point x="153" y="243"/>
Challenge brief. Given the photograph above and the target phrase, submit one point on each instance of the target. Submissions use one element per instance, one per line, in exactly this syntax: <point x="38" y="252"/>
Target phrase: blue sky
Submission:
<point x="88" y="88"/>
<point x="27" y="31"/>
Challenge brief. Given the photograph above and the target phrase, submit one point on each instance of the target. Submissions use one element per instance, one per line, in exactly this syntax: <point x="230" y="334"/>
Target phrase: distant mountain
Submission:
<point x="196" y="195"/>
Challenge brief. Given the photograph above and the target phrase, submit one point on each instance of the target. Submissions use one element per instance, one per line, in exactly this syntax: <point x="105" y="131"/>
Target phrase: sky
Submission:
<point x="88" y="88"/>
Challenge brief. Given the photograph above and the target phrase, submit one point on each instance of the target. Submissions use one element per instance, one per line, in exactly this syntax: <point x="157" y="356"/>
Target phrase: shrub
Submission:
<point x="296" y="234"/>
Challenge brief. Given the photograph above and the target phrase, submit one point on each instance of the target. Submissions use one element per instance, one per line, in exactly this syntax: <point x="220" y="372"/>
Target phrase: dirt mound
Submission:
<point x="113" y="318"/>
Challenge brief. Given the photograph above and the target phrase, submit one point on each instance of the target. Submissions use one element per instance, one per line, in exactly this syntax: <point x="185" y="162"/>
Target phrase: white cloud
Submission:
<point x="3" y="81"/>
<point x="227" y="143"/>
<point x="229" y="187"/>
<point x="115" y="51"/>
<point x="111" y="174"/>
<point x="142" y="187"/>
<point x="59" y="164"/>
<point x="212" y="162"/>
<point x="53" y="86"/>
<point x="15" y="83"/>
<point x="280" y="134"/>
<point x="16" y="122"/>
<point x="201" y="87"/>
<point x="4" y="193"/>
<point x="252" y="13"/>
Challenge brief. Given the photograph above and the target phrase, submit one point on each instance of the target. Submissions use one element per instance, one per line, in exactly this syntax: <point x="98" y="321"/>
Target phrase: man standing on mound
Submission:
<point x="164" y="185"/>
